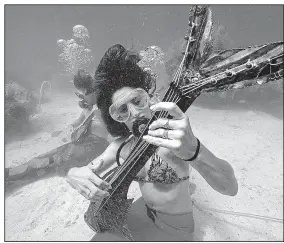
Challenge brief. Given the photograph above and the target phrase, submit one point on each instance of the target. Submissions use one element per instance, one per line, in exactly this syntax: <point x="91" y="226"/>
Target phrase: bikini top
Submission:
<point x="159" y="171"/>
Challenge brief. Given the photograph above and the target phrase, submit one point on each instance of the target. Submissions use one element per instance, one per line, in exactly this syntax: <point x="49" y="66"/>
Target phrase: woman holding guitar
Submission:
<point x="165" y="211"/>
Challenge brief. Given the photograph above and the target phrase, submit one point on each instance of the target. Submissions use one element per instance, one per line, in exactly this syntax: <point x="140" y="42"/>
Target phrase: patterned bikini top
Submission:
<point x="159" y="172"/>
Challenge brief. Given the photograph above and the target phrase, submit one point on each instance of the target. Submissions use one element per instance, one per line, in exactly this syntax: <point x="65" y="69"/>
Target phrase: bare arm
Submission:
<point x="176" y="135"/>
<point x="217" y="172"/>
<point x="87" y="179"/>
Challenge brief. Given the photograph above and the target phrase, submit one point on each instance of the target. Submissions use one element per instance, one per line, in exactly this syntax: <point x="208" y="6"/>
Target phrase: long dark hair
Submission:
<point x="118" y="68"/>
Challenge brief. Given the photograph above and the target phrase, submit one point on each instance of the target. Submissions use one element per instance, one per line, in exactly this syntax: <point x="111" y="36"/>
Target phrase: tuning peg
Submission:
<point x="214" y="80"/>
<point x="250" y="64"/>
<point x="230" y="74"/>
<point x="186" y="37"/>
<point x="269" y="61"/>
<point x="191" y="24"/>
<point x="183" y="52"/>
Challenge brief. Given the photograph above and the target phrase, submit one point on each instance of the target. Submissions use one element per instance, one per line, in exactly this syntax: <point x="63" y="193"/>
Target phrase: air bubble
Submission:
<point x="74" y="54"/>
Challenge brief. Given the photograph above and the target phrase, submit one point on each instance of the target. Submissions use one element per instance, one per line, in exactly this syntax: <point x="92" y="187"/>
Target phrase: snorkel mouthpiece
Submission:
<point x="140" y="126"/>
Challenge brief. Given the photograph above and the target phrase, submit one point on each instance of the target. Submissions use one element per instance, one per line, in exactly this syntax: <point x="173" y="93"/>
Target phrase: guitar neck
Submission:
<point x="88" y="118"/>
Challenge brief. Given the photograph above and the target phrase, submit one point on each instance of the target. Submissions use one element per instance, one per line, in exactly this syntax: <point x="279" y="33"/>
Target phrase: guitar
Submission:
<point x="80" y="132"/>
<point x="198" y="72"/>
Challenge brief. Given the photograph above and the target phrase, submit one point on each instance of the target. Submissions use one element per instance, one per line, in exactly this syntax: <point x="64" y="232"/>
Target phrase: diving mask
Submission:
<point x="137" y="99"/>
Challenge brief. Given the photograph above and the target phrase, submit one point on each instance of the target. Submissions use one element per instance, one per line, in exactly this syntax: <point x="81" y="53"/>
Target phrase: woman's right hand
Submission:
<point x="87" y="183"/>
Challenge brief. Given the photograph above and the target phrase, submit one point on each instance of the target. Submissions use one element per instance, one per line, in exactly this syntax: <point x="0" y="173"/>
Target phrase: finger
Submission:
<point x="95" y="192"/>
<point x="95" y="179"/>
<point x="73" y="185"/>
<point x="171" y="134"/>
<point x="92" y="199"/>
<point x="171" y="107"/>
<point x="161" y="142"/>
<point x="90" y="192"/>
<point x="84" y="191"/>
<point x="85" y="195"/>
<point x="166" y="123"/>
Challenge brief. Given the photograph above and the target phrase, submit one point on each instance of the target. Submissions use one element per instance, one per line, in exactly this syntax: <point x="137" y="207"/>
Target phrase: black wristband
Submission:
<point x="196" y="152"/>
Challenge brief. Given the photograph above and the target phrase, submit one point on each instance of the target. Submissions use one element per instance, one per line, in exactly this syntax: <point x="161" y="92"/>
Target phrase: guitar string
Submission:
<point x="210" y="79"/>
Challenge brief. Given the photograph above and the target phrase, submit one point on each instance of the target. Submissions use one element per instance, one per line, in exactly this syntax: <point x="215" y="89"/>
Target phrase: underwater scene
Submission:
<point x="225" y="63"/>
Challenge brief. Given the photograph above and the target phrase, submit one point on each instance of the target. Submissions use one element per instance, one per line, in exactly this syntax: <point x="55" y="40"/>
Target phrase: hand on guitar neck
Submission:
<point x="174" y="134"/>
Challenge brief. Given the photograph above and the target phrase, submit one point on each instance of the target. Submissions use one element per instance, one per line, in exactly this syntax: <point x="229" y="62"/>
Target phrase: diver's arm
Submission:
<point x="176" y="135"/>
<point x="103" y="162"/>
<point x="87" y="180"/>
<point x="217" y="172"/>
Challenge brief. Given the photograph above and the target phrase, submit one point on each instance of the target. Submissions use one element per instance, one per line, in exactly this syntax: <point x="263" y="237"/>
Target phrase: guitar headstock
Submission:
<point x="198" y="36"/>
<point x="242" y="68"/>
<point x="198" y="43"/>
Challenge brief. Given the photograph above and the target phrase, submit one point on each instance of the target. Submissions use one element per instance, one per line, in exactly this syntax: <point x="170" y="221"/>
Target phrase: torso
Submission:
<point x="97" y="128"/>
<point x="171" y="198"/>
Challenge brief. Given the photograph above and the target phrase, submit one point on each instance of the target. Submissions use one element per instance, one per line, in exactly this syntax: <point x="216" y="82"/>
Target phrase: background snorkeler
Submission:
<point x="94" y="142"/>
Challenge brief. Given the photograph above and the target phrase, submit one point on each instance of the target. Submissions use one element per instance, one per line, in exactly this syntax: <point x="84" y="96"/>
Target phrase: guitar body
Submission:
<point x="113" y="215"/>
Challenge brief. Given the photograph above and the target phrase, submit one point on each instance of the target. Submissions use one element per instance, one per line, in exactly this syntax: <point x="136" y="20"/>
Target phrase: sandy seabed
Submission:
<point x="250" y="139"/>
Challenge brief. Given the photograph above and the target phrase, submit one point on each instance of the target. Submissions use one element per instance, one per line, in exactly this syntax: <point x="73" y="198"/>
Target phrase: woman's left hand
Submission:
<point x="174" y="134"/>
